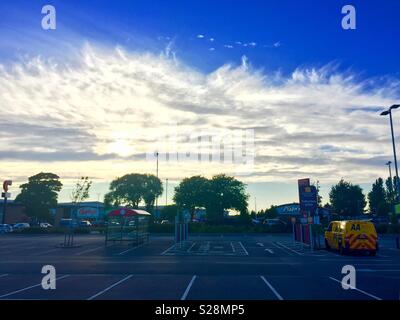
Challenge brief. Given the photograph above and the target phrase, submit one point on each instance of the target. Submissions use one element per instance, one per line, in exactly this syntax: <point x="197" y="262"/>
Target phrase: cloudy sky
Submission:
<point x="116" y="80"/>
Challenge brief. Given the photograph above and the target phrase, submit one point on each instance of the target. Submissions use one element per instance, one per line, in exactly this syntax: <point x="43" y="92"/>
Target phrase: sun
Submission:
<point x="121" y="147"/>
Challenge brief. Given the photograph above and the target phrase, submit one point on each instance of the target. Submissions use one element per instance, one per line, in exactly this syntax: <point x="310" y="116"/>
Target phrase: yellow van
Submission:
<point x="352" y="236"/>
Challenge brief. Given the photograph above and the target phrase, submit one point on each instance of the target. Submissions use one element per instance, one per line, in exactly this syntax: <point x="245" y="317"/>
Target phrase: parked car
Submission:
<point x="45" y="225"/>
<point x="275" y="225"/>
<point x="5" y="228"/>
<point x="274" y="222"/>
<point x="85" y="223"/>
<point x="68" y="223"/>
<point x="164" y="222"/>
<point x="20" y="226"/>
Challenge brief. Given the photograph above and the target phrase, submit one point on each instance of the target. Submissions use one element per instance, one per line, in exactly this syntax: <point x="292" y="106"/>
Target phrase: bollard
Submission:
<point x="301" y="236"/>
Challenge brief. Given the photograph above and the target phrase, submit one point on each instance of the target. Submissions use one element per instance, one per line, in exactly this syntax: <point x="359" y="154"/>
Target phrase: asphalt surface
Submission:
<point x="226" y="267"/>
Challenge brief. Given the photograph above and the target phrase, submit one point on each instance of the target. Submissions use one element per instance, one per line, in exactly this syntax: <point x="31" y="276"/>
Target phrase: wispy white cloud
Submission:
<point x="102" y="113"/>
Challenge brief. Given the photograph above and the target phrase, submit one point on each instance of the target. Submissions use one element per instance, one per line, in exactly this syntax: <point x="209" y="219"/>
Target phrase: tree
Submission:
<point x="347" y="199"/>
<point x="131" y="189"/>
<point x="377" y="198"/>
<point x="81" y="191"/>
<point x="152" y="189"/>
<point x="223" y="193"/>
<point x="169" y="213"/>
<point x="271" y="213"/>
<point x="191" y="193"/>
<point x="39" y="195"/>
<point x="390" y="190"/>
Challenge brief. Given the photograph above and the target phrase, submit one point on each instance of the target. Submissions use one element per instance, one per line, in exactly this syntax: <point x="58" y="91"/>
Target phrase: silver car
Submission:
<point x="5" y="228"/>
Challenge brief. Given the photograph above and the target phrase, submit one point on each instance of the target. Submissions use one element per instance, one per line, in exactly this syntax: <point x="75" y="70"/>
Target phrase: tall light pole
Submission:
<point x="385" y="113"/>
<point x="389" y="164"/>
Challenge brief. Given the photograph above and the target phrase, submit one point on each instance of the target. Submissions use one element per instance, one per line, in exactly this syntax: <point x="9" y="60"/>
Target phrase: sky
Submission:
<point x="280" y="84"/>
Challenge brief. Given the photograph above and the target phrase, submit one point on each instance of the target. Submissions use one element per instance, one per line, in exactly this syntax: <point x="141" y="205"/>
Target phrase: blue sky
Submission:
<point x="309" y="31"/>
<point x="260" y="56"/>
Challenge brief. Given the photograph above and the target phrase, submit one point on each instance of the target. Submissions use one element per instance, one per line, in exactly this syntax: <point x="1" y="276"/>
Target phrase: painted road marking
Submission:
<point x="130" y="249"/>
<point x="3" y="275"/>
<point x="188" y="288"/>
<point x="269" y="250"/>
<point x="378" y="270"/>
<point x="30" y="287"/>
<point x="110" y="287"/>
<point x="359" y="290"/>
<point x="188" y="250"/>
<point x="89" y="250"/>
<point x="286" y="247"/>
<point x="354" y="260"/>
<point x="260" y="244"/>
<point x="244" y="249"/>
<point x="170" y="248"/>
<point x="285" y="251"/>
<point x="233" y="248"/>
<point x="45" y="252"/>
<point x="272" y="288"/>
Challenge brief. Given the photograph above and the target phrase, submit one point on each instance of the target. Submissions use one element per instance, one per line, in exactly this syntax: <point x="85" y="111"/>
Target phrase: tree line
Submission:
<point x="216" y="195"/>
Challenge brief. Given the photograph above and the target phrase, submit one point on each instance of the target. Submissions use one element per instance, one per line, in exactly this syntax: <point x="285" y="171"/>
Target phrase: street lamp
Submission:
<point x="385" y="113"/>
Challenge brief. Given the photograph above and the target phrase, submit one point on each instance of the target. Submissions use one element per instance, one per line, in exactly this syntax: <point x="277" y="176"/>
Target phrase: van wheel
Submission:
<point x="327" y="245"/>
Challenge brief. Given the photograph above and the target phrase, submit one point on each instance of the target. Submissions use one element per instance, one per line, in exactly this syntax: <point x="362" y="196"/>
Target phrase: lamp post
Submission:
<point x="385" y="113"/>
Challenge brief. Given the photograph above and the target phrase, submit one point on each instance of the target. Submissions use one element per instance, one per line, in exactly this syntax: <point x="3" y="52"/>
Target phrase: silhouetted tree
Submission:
<point x="347" y="199"/>
<point x="39" y="195"/>
<point x="377" y="198"/>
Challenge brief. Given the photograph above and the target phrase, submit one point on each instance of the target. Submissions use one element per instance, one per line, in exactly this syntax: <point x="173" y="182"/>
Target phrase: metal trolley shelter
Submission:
<point x="129" y="225"/>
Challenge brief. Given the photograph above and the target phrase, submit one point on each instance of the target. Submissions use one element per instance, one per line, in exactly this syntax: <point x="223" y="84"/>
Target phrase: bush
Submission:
<point x="53" y="230"/>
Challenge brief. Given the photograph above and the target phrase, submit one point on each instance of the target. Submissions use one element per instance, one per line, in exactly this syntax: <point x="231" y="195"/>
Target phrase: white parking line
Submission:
<point x="269" y="250"/>
<point x="188" y="288"/>
<point x="89" y="250"/>
<point x="285" y="251"/>
<point x="30" y="287"/>
<point x="350" y="259"/>
<point x="126" y="251"/>
<point x="378" y="270"/>
<point x="272" y="288"/>
<point x="188" y="250"/>
<point x="260" y="244"/>
<point x="359" y="290"/>
<point x="45" y="252"/>
<point x="244" y="249"/>
<point x="3" y="275"/>
<point x="110" y="287"/>
<point x="170" y="248"/>
<point x="286" y="247"/>
<point x="233" y="248"/>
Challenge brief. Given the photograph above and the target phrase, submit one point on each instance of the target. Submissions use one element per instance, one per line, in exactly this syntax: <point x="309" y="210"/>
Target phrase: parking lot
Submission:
<point x="228" y="267"/>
